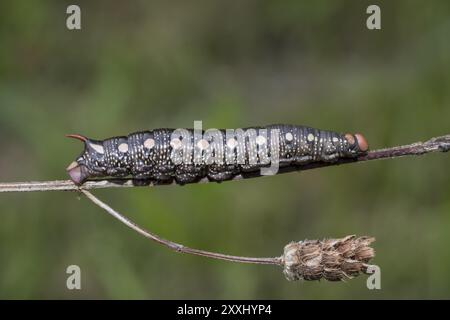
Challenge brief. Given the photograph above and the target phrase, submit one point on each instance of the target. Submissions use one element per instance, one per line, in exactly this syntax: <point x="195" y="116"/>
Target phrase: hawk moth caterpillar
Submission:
<point x="187" y="156"/>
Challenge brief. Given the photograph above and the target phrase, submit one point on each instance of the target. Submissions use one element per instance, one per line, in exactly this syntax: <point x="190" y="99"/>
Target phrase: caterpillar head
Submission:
<point x="357" y="144"/>
<point x="91" y="162"/>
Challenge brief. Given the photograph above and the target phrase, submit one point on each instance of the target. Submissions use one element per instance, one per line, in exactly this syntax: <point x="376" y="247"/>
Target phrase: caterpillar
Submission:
<point x="189" y="155"/>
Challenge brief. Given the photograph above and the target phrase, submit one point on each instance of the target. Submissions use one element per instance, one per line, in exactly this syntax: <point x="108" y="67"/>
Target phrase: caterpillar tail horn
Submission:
<point x="77" y="137"/>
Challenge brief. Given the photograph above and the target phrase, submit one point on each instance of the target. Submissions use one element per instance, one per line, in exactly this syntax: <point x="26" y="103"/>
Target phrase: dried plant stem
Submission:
<point x="436" y="144"/>
<point x="330" y="259"/>
<point x="173" y="245"/>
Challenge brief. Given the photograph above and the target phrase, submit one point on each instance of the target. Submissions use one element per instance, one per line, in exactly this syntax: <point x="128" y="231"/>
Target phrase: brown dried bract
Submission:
<point x="332" y="259"/>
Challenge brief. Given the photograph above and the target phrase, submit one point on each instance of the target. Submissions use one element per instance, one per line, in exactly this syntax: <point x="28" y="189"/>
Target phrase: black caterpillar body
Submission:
<point x="187" y="155"/>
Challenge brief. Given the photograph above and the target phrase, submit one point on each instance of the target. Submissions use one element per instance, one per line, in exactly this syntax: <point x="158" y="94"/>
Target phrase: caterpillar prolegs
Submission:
<point x="189" y="155"/>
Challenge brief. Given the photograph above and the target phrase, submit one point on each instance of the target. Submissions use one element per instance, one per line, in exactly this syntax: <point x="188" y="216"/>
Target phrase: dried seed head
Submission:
<point x="332" y="259"/>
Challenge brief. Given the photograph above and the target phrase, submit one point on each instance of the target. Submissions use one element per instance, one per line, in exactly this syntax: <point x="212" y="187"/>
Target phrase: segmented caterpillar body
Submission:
<point x="187" y="155"/>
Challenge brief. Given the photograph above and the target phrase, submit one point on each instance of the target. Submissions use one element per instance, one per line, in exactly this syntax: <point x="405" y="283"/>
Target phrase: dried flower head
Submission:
<point x="331" y="259"/>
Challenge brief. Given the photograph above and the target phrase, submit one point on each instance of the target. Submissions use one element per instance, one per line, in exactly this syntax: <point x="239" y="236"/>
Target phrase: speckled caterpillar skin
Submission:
<point x="166" y="155"/>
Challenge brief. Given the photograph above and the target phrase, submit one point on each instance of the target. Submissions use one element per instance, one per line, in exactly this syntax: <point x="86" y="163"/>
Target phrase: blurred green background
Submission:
<point x="147" y="64"/>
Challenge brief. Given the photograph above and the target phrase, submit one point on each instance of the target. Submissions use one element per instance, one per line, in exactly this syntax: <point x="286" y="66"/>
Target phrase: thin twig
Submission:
<point x="331" y="259"/>
<point x="176" y="246"/>
<point x="436" y="144"/>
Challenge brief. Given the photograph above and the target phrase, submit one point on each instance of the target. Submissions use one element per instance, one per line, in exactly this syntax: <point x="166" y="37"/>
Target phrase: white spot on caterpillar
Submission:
<point x="175" y="143"/>
<point x="232" y="143"/>
<point x="260" y="140"/>
<point x="289" y="136"/>
<point x="149" y="143"/>
<point x="203" y="144"/>
<point x="98" y="148"/>
<point x="123" y="147"/>
<point x="335" y="139"/>
<point x="310" y="137"/>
